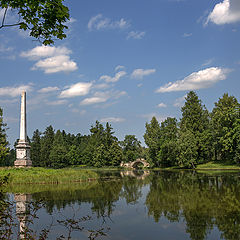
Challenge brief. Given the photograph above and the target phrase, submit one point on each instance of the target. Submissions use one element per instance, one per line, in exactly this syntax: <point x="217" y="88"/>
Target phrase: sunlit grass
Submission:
<point x="218" y="166"/>
<point x="45" y="176"/>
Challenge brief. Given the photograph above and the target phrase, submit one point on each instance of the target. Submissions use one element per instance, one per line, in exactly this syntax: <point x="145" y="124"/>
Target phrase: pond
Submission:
<point x="133" y="206"/>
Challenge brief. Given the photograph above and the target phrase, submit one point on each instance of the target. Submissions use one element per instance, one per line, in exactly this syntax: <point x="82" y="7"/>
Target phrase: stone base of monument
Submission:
<point x="23" y="155"/>
<point x="23" y="163"/>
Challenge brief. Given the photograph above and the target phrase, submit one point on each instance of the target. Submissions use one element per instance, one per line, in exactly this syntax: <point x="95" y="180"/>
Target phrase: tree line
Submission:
<point x="58" y="149"/>
<point x="99" y="148"/>
<point x="199" y="136"/>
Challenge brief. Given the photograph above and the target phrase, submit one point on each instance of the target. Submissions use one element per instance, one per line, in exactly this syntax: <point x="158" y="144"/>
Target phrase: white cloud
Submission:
<point x="98" y="97"/>
<point x="118" y="94"/>
<point x="161" y="105"/>
<point x="51" y="59"/>
<point x="99" y="22"/>
<point x="61" y="63"/>
<point x="101" y="86"/>
<point x="187" y="35"/>
<point x="101" y="97"/>
<point x="93" y="100"/>
<point x="179" y="101"/>
<point x="119" y="67"/>
<point x="14" y="91"/>
<point x="45" y="51"/>
<point x="112" y="119"/>
<point x="140" y="73"/>
<point x="116" y="78"/>
<point x="48" y="89"/>
<point x="57" y="102"/>
<point x="136" y="35"/>
<point x="197" y="80"/>
<point x="78" y="89"/>
<point x="208" y="62"/>
<point x="225" y="12"/>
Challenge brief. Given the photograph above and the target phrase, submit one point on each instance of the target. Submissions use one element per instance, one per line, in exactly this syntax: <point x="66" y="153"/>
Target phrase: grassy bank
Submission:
<point x="206" y="166"/>
<point x="37" y="175"/>
<point x="217" y="166"/>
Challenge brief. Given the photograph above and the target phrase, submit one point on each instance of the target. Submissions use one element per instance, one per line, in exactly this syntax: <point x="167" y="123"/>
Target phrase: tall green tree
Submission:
<point x="152" y="140"/>
<point x="195" y="124"/>
<point x="225" y="123"/>
<point x="73" y="155"/>
<point x="236" y="137"/>
<point x="46" y="146"/>
<point x="4" y="150"/>
<point x="187" y="155"/>
<point x="167" y="154"/>
<point x="100" y="144"/>
<point x="108" y="135"/>
<point x="57" y="156"/>
<point x="131" y="148"/>
<point x="36" y="148"/>
<point x="115" y="154"/>
<point x="43" y="19"/>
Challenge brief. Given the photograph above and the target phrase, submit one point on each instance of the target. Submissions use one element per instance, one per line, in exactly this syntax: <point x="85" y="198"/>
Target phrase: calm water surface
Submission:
<point x="139" y="205"/>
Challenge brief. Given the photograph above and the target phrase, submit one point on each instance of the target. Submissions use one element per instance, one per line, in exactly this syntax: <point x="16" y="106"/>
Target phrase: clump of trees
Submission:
<point x="100" y="148"/>
<point x="200" y="136"/>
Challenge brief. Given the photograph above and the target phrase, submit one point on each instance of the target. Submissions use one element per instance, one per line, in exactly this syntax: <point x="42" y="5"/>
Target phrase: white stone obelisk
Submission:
<point x="23" y="147"/>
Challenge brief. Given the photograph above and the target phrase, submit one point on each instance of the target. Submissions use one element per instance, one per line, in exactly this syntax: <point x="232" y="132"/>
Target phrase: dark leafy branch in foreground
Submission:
<point x="43" y="19"/>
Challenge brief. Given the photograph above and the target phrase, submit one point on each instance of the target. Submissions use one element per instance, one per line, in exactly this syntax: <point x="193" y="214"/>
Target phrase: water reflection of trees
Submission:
<point x="201" y="201"/>
<point x="101" y="196"/>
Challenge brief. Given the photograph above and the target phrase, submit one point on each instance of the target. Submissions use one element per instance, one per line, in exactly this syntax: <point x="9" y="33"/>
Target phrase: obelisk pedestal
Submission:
<point x="23" y="147"/>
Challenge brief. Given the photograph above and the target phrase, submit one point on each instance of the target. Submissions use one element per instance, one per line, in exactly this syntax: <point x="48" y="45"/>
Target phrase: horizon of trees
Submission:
<point x="199" y="136"/>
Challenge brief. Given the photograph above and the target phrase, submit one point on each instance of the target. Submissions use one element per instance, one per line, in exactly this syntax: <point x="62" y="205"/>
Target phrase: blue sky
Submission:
<point x="122" y="62"/>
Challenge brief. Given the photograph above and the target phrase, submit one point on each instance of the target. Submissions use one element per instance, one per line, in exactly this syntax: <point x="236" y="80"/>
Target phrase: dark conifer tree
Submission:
<point x="152" y="140"/>
<point x="36" y="148"/>
<point x="46" y="146"/>
<point x="194" y="125"/>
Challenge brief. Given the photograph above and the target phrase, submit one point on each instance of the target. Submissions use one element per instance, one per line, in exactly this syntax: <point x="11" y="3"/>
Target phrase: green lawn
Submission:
<point x="207" y="166"/>
<point x="36" y="175"/>
<point x="217" y="166"/>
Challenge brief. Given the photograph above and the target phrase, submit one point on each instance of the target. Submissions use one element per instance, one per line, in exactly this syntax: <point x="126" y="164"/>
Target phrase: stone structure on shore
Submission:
<point x="23" y="147"/>
<point x="135" y="164"/>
